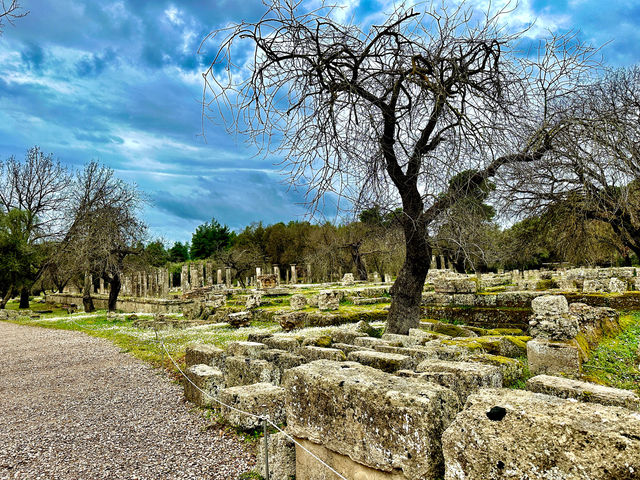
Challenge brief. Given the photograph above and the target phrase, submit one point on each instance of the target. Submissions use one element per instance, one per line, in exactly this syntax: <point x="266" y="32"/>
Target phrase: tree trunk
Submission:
<point x="24" y="297"/>
<point x="361" y="267"/>
<point x="87" y="301"/>
<point x="114" y="291"/>
<point x="406" y="292"/>
<point x="6" y="297"/>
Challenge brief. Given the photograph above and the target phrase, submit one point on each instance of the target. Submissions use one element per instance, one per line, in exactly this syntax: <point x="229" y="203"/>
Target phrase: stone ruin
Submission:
<point x="431" y="404"/>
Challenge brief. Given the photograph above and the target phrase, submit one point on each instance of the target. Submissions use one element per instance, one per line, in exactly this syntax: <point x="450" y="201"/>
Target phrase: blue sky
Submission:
<point x="120" y="82"/>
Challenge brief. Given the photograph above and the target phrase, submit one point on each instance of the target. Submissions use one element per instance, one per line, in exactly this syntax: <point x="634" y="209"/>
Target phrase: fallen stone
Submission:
<point x="328" y="299"/>
<point x="548" y="357"/>
<point x="311" y="353"/>
<point x="550" y="304"/>
<point x="617" y="286"/>
<point x="260" y="399"/>
<point x="253" y="300"/>
<point x="246" y="371"/>
<point x="205" y="354"/>
<point x="282" y="361"/>
<point x="203" y="378"/>
<point x="583" y="391"/>
<point x="239" y="319"/>
<point x="370" y="342"/>
<point x="387" y="362"/>
<point x="245" y="349"/>
<point x="512" y="369"/>
<point x="379" y="420"/>
<point x="464" y="378"/>
<point x="298" y="301"/>
<point x="515" y="434"/>
<point x="279" y="342"/>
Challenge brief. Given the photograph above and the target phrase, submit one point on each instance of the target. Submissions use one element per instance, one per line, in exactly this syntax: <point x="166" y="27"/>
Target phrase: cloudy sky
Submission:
<point x="120" y="82"/>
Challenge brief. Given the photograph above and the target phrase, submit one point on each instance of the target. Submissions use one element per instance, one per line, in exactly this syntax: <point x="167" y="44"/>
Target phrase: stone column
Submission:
<point x="309" y="273"/>
<point x="294" y="274"/>
<point x="258" y="271"/>
<point x="144" y="285"/>
<point x="184" y="278"/>
<point x="209" y="274"/>
<point x="219" y="278"/>
<point x="442" y="264"/>
<point x="276" y="272"/>
<point x="101" y="288"/>
<point x="228" y="276"/>
<point x="434" y="263"/>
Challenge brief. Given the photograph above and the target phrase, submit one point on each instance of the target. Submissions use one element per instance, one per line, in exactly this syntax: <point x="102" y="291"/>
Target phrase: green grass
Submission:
<point x="615" y="362"/>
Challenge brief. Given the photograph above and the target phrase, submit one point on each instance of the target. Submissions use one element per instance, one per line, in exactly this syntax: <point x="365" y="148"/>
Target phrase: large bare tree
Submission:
<point x="388" y="114"/>
<point x="9" y="11"/>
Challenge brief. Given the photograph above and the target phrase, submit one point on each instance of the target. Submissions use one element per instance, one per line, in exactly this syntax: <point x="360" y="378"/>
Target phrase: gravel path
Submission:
<point x="74" y="407"/>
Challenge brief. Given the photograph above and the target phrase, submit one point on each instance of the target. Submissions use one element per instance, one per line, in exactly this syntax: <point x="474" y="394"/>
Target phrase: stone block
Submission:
<point x="515" y="434"/>
<point x="245" y="349"/>
<point x="583" y="391"/>
<point x="400" y="340"/>
<point x="550" y="304"/>
<point x="549" y="357"/>
<point x="282" y="457"/>
<point x="453" y="330"/>
<point x="387" y="362"/>
<point x="594" y="286"/>
<point x="311" y="353"/>
<point x="282" y="361"/>
<point x="308" y="468"/>
<point x="347" y="279"/>
<point x="554" y="326"/>
<point x="379" y="420"/>
<point x="423" y="336"/>
<point x="328" y="299"/>
<point x="348" y="348"/>
<point x="512" y="370"/>
<point x="298" y="301"/>
<point x="246" y="371"/>
<point x="291" y="344"/>
<point x="454" y="285"/>
<point x="370" y="342"/>
<point x="205" y="354"/>
<point x="463" y="378"/>
<point x="239" y="319"/>
<point x="292" y="320"/>
<point x="253" y="300"/>
<point x="207" y="379"/>
<point x="617" y="286"/>
<point x="258" y="399"/>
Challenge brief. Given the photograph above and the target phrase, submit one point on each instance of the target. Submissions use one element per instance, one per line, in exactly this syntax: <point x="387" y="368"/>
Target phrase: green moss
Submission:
<point x="451" y="330"/>
<point x="504" y="331"/>
<point x="546" y="284"/>
<point x="470" y="344"/>
<point x="324" y="341"/>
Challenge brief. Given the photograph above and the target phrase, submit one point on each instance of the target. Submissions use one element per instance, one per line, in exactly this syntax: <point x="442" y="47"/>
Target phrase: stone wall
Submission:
<point x="126" y="304"/>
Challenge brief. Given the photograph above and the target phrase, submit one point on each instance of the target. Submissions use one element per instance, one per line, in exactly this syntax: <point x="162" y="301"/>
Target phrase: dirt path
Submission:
<point x="74" y="407"/>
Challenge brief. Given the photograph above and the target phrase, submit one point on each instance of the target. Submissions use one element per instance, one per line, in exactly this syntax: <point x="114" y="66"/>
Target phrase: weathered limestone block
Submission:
<point x="259" y="399"/>
<point x="282" y="457"/>
<point x="370" y="301"/>
<point x="595" y="322"/>
<point x="239" y="319"/>
<point x="349" y="333"/>
<point x="512" y="369"/>
<point x="453" y="330"/>
<point x="348" y="348"/>
<point x="465" y="299"/>
<point x="550" y="304"/>
<point x="347" y="279"/>
<point x="370" y="342"/>
<point x="193" y="310"/>
<point x="253" y="300"/>
<point x="292" y="320"/>
<point x="594" y="286"/>
<point x="583" y="391"/>
<point x="245" y="349"/>
<point x="282" y="361"/>
<point x="298" y="301"/>
<point x="515" y="434"/>
<point x="280" y="342"/>
<point x="328" y="299"/>
<point x="463" y="378"/>
<point x="266" y="281"/>
<point x="454" y="285"/>
<point x="317" y="341"/>
<point x="387" y="362"/>
<point x="617" y="286"/>
<point x="422" y="335"/>
<point x="206" y="355"/>
<point x="206" y="378"/>
<point x="246" y="371"/>
<point x="549" y="357"/>
<point x="312" y="353"/>
<point x="403" y="340"/>
<point x="436" y="349"/>
<point x="377" y="419"/>
<point x="554" y="327"/>
<point x="307" y="467"/>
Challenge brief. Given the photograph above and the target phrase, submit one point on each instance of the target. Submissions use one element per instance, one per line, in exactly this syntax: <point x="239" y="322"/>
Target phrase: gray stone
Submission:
<point x="292" y="320"/>
<point x="328" y="299"/>
<point x="549" y="357"/>
<point x="550" y="304"/>
<point x="554" y="327"/>
<point x="617" y="286"/>
<point x="454" y="285"/>
<point x="515" y="434"/>
<point x="464" y="378"/>
<point x="594" y="286"/>
<point x="253" y="300"/>
<point x="348" y="348"/>
<point x="370" y="342"/>
<point x="312" y="353"/>
<point x="205" y="354"/>
<point x="512" y="369"/>
<point x="282" y="457"/>
<point x="377" y="419"/>
<point x="583" y="391"/>
<point x="348" y="279"/>
<point x="387" y="362"/>
<point x="280" y="342"/>
<point x="245" y="349"/>
<point x="282" y="361"/>
<point x="260" y="399"/>
<point x="239" y="319"/>
<point x="298" y="301"/>
<point x="246" y="371"/>
<point x="404" y="340"/>
<point x="203" y="378"/>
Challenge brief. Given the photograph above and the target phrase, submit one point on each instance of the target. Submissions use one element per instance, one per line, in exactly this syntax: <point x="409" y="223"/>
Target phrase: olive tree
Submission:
<point x="388" y="114"/>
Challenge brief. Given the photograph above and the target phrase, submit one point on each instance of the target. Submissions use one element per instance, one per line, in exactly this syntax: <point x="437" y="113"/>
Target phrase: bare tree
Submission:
<point x="595" y="174"/>
<point x="104" y="228"/>
<point x="389" y="114"/>
<point x="9" y="11"/>
<point x="36" y="186"/>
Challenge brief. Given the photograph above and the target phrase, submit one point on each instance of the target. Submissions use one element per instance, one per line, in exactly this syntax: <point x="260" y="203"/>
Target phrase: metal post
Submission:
<point x="266" y="447"/>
